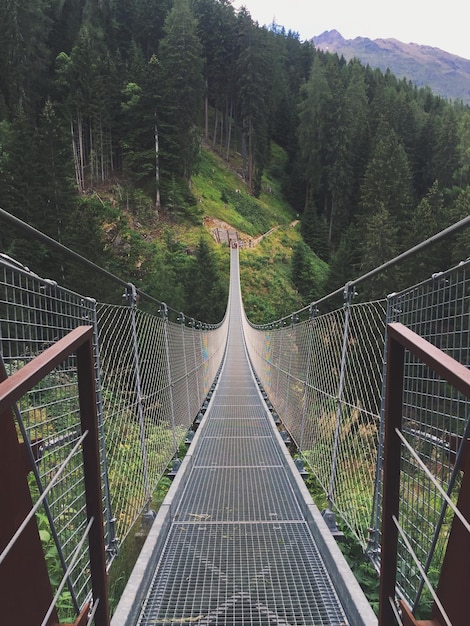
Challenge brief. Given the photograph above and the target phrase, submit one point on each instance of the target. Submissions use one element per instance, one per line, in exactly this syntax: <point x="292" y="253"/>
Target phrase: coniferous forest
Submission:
<point x="122" y="94"/>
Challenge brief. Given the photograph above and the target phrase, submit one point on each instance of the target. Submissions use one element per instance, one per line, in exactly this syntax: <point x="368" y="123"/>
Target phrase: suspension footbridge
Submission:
<point x="240" y="529"/>
<point x="96" y="401"/>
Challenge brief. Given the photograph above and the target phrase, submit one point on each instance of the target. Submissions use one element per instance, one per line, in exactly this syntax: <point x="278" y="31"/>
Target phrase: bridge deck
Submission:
<point x="239" y="541"/>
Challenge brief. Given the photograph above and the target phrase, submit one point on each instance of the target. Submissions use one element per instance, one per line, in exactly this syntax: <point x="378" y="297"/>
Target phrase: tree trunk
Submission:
<point x="229" y="130"/>
<point x="206" y="112"/>
<point x="81" y="150"/>
<point x="214" y="138"/>
<point x="332" y="210"/>
<point x="76" y="163"/>
<point x="102" y="157"/>
<point x="157" y="172"/>
<point x="222" y="126"/>
<point x="250" y="157"/>
<point x="307" y="194"/>
<point x="92" y="154"/>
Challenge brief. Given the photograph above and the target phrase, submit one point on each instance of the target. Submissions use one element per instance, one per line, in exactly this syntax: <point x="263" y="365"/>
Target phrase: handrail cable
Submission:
<point x="40" y="236"/>
<point x="75" y="557"/>
<point x="39" y="501"/>
<point x="432" y="478"/>
<point x="450" y="230"/>
<point x="421" y="570"/>
<point x="37" y="477"/>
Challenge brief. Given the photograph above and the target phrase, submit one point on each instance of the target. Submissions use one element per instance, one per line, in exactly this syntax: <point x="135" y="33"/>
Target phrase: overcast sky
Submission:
<point x="445" y="24"/>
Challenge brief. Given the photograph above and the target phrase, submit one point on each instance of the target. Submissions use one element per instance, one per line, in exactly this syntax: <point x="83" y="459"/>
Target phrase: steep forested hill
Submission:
<point x="105" y="107"/>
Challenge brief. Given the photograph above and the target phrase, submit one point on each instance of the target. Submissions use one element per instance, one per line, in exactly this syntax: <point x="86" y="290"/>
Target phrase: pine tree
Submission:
<point x="148" y="24"/>
<point x="181" y="88"/>
<point x="253" y="87"/>
<point x="87" y="82"/>
<point x="380" y="244"/>
<point x="216" y="29"/>
<point x="446" y="155"/>
<point x="55" y="193"/>
<point x="387" y="181"/>
<point x="312" y="133"/>
<point x="21" y="190"/>
<point x="304" y="273"/>
<point x="206" y="297"/>
<point x="314" y="232"/>
<point x="338" y="155"/>
<point x="24" y="55"/>
<point x="463" y="174"/>
<point x="429" y="218"/>
<point x="345" y="261"/>
<point x="357" y="123"/>
<point x="461" y="245"/>
<point x="139" y="120"/>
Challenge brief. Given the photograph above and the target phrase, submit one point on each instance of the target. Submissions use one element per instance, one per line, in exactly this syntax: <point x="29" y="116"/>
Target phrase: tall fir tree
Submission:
<point x="429" y="218"/>
<point x="253" y="87"/>
<point x="387" y="181"/>
<point x="380" y="244"/>
<point x="24" y="53"/>
<point x="206" y="296"/>
<point x="181" y="89"/>
<point x="446" y="154"/>
<point x="312" y="133"/>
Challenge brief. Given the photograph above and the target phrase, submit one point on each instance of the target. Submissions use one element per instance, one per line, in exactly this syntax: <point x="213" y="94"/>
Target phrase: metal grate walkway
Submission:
<point x="235" y="546"/>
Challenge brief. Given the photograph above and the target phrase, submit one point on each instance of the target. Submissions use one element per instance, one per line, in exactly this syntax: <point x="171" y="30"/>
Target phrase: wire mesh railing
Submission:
<point x="412" y="483"/>
<point x="152" y="376"/>
<point x="74" y="477"/>
<point x="324" y="377"/>
<point x="324" y="373"/>
<point x="155" y="375"/>
<point x="35" y="314"/>
<point x="435" y="423"/>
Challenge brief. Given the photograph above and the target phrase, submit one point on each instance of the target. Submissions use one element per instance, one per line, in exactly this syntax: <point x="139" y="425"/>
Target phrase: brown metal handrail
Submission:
<point x="454" y="583"/>
<point x="26" y="594"/>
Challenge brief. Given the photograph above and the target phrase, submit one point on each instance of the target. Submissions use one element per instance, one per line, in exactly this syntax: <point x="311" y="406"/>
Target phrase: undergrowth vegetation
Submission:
<point x="265" y="275"/>
<point x="362" y="568"/>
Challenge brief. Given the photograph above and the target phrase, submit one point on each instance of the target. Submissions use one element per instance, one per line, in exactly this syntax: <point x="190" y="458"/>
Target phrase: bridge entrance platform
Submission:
<point x="238" y="540"/>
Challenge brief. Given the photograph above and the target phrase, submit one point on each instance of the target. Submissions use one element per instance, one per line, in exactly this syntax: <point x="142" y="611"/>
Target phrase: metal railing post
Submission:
<point x="201" y="327"/>
<point x="91" y="470"/>
<point x="391" y="483"/>
<point x="373" y="544"/>
<point x="90" y="317"/>
<point x="192" y="323"/>
<point x="164" y="314"/>
<point x="182" y="321"/>
<point x="131" y="297"/>
<point x="349" y="294"/>
<point x="279" y="360"/>
<point x="294" y="320"/>
<point x="313" y="311"/>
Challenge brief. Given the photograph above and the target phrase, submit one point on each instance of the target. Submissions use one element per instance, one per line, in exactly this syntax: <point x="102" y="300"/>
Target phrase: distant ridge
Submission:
<point x="446" y="74"/>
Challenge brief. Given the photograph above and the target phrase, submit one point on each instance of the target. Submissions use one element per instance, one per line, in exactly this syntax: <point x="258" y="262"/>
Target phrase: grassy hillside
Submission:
<point x="265" y="274"/>
<point x="157" y="252"/>
<point x="267" y="227"/>
<point x="265" y="262"/>
<point x="221" y="195"/>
